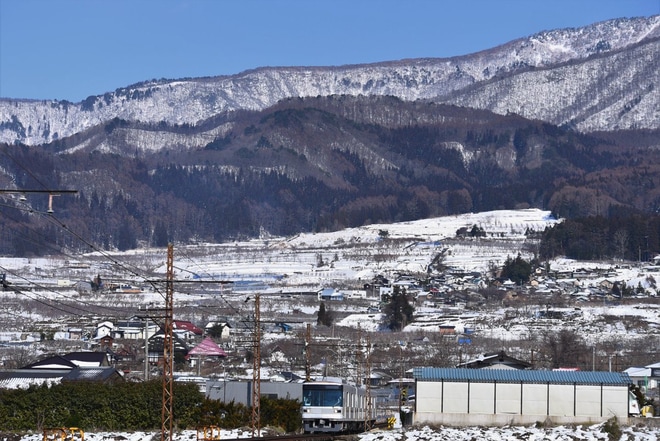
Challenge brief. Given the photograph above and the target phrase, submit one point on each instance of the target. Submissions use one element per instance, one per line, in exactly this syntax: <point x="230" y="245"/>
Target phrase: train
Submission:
<point x="334" y="407"/>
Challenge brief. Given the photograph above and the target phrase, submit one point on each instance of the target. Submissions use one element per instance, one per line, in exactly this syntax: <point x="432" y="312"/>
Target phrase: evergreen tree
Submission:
<point x="324" y="316"/>
<point x="517" y="270"/>
<point x="160" y="234"/>
<point x="399" y="311"/>
<point x="477" y="231"/>
<point x="216" y="330"/>
<point x="126" y="239"/>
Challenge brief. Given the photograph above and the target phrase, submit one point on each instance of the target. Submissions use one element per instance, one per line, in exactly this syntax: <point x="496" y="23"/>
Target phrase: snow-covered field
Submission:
<point x="559" y="433"/>
<point x="345" y="259"/>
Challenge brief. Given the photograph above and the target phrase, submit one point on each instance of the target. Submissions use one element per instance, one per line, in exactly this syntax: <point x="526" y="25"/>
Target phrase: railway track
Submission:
<point x="295" y="437"/>
<point x="310" y="436"/>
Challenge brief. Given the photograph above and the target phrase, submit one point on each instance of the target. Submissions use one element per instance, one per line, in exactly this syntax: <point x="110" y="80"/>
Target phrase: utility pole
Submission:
<point x="50" y="193"/>
<point x="368" y="415"/>
<point x="308" y="363"/>
<point x="146" y="348"/>
<point x="256" y="372"/>
<point x="168" y="349"/>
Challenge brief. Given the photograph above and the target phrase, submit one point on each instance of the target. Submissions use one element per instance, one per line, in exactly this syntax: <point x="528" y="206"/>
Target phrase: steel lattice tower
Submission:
<point x="256" y="372"/>
<point x="168" y="349"/>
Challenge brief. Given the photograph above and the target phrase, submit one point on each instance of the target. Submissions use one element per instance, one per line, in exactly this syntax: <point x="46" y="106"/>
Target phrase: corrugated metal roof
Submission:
<point x="90" y="374"/>
<point x="24" y="383"/>
<point x="12" y="379"/>
<point x="521" y="376"/>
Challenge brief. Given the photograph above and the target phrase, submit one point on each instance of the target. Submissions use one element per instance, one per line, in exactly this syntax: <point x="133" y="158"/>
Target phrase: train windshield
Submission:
<point x="322" y="396"/>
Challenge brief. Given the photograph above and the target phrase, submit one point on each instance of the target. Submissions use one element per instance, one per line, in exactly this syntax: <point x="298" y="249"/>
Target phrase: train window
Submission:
<point x="322" y="397"/>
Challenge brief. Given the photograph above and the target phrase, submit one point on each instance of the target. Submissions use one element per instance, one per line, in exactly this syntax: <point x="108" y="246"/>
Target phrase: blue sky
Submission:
<point x="71" y="49"/>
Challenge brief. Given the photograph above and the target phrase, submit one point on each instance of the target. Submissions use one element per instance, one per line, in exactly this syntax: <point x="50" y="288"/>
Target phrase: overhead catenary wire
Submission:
<point x="236" y="310"/>
<point x="53" y="303"/>
<point x="134" y="271"/>
<point x="49" y="216"/>
<point x="48" y="301"/>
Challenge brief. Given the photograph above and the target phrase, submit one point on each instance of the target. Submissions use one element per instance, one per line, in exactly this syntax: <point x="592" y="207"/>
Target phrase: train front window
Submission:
<point x="322" y="397"/>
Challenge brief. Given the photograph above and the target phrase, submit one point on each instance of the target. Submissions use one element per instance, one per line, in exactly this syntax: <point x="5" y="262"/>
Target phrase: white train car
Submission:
<point x="335" y="407"/>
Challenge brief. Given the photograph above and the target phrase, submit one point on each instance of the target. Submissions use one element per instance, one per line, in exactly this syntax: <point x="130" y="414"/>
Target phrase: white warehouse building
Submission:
<point x="496" y="397"/>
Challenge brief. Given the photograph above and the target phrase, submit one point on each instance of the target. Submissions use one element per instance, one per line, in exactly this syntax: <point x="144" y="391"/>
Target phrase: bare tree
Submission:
<point x="620" y="239"/>
<point x="15" y="358"/>
<point x="564" y="348"/>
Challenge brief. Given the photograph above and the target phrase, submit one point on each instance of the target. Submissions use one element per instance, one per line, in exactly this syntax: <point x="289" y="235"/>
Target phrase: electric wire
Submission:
<point x="134" y="271"/>
<point x="187" y="256"/>
<point x="25" y="169"/>
<point x="32" y="295"/>
<point x="131" y="269"/>
<point x="53" y="302"/>
<point x="45" y="240"/>
<point x="54" y="249"/>
<point x="52" y="218"/>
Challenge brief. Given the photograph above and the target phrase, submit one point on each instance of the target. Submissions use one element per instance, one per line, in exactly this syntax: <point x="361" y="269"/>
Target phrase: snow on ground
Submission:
<point x="560" y="433"/>
<point x="357" y="255"/>
<point x="344" y="259"/>
<point x="308" y="260"/>
<point x="595" y="432"/>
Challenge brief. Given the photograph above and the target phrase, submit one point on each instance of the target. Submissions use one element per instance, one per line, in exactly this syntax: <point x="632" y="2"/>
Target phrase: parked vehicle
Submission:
<point x="633" y="405"/>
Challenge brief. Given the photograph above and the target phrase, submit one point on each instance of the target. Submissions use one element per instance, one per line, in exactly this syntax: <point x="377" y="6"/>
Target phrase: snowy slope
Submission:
<point x="459" y="79"/>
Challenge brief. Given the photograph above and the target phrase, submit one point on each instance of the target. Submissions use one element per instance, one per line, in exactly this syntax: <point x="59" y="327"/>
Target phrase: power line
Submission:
<point x="43" y="288"/>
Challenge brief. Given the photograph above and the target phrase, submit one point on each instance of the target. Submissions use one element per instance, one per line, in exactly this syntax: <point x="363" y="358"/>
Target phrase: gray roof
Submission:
<point x="521" y="376"/>
<point x="92" y="374"/>
<point x="23" y="378"/>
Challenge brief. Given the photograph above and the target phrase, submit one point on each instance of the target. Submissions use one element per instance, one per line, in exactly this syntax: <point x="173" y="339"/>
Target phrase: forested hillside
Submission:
<point x="313" y="164"/>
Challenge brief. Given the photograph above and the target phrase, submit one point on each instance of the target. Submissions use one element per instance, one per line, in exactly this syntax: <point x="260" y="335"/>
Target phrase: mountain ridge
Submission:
<point x="190" y="101"/>
<point x="317" y="164"/>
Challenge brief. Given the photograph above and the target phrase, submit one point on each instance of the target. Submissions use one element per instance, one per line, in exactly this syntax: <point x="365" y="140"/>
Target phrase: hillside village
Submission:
<point x="463" y="311"/>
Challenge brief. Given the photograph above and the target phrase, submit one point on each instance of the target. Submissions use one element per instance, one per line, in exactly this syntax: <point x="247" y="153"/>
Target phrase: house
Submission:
<point x="105" y="342"/>
<point x="156" y="345"/>
<point x="283" y="327"/>
<point x="180" y="326"/>
<point x="186" y="330"/>
<point x="647" y="377"/>
<point x="103" y="329"/>
<point x="75" y="333"/>
<point x="470" y="397"/>
<point x="124" y="354"/>
<point x="379" y="378"/>
<point x="330" y="294"/>
<point x="134" y="329"/>
<point x="71" y="360"/>
<point x="24" y="378"/>
<point x="223" y="325"/>
<point x="495" y="360"/>
<point x="207" y="348"/>
<point x="72" y="367"/>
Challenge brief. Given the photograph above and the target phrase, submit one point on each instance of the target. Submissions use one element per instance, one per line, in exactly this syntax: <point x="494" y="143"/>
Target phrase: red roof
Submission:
<point x="188" y="326"/>
<point x="207" y="347"/>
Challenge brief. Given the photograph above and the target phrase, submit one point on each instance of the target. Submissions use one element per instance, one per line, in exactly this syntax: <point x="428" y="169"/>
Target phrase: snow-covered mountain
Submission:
<point x="599" y="77"/>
